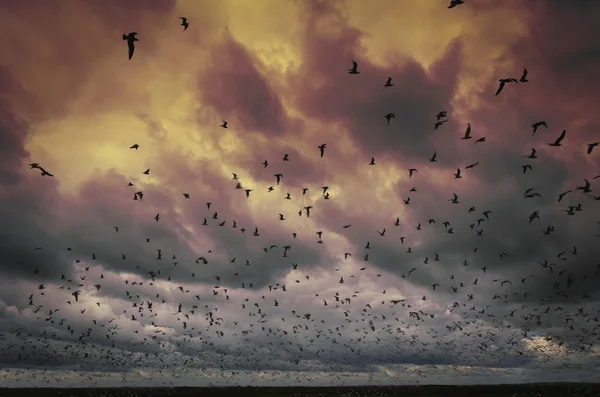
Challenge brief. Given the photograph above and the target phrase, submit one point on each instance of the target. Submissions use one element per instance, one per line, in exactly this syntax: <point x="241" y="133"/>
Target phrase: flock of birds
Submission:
<point x="190" y="331"/>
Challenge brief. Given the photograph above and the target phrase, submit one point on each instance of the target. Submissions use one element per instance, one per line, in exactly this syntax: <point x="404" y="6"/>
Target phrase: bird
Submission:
<point x="184" y="23"/>
<point x="591" y="146"/>
<point x="388" y="83"/>
<point x="503" y="82"/>
<point x="322" y="148"/>
<point x="388" y="117"/>
<point x="224" y="124"/>
<point x="454" y="3"/>
<point x="44" y="172"/>
<point x="523" y="78"/>
<point x="532" y="155"/>
<point x="457" y="174"/>
<point x="538" y="124"/>
<point x="559" y="139"/>
<point x="134" y="146"/>
<point x="372" y="161"/>
<point x="131" y="39"/>
<point x="438" y="124"/>
<point x="433" y="157"/>
<point x="467" y="132"/>
<point x="354" y="69"/>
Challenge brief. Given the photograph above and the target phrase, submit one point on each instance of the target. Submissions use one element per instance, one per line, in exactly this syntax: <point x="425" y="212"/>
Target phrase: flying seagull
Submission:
<point x="354" y="69"/>
<point x="130" y="38"/>
<point x="591" y="147"/>
<point x="523" y="78"/>
<point x="538" y="124"/>
<point x="559" y="139"/>
<point x="184" y="23"/>
<point x="503" y="83"/>
<point x="454" y="3"/>
<point x="388" y="83"/>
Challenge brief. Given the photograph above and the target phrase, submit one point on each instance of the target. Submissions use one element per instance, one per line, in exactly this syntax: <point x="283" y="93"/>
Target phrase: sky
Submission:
<point x="486" y="297"/>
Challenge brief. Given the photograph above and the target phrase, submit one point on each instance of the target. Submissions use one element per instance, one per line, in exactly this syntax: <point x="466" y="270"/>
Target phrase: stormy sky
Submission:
<point x="500" y="285"/>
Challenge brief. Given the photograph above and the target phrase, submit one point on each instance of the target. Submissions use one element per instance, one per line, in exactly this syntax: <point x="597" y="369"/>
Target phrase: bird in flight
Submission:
<point x="454" y="3"/>
<point x="389" y="116"/>
<point x="503" y="83"/>
<point x="322" y="148"/>
<point x="131" y="39"/>
<point x="134" y="146"/>
<point x="523" y="78"/>
<point x="388" y="83"/>
<point x="467" y="132"/>
<point x="591" y="147"/>
<point x="224" y="124"/>
<point x="184" y="23"/>
<point x="438" y="124"/>
<point x="538" y="124"/>
<point x="559" y="139"/>
<point x="354" y="69"/>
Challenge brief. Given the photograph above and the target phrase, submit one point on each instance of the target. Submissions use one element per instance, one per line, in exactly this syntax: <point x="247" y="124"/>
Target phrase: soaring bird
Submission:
<point x="134" y="146"/>
<point x="131" y="39"/>
<point x="538" y="124"/>
<point x="523" y="78"/>
<point x="467" y="132"/>
<point x="559" y="139"/>
<point x="354" y="69"/>
<point x="591" y="147"/>
<point x="388" y="83"/>
<point x="184" y="23"/>
<point x="503" y="83"/>
<point x="224" y="124"/>
<point x="454" y="3"/>
<point x="389" y="116"/>
<point x="322" y="148"/>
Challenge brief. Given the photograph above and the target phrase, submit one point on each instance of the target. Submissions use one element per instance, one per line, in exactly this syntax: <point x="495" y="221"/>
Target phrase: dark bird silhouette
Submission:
<point x="184" y="23"/>
<point x="131" y="39"/>
<point x="559" y="139"/>
<point x="523" y="78"/>
<point x="591" y="146"/>
<point x="538" y="124"/>
<point x="467" y="132"/>
<point x="322" y="148"/>
<point x="354" y="69"/>
<point x="503" y="82"/>
<point x="454" y="3"/>
<point x="388" y="117"/>
<point x="224" y="124"/>
<point x="388" y="83"/>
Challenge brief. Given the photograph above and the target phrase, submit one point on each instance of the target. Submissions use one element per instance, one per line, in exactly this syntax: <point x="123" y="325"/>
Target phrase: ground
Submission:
<point x="545" y="390"/>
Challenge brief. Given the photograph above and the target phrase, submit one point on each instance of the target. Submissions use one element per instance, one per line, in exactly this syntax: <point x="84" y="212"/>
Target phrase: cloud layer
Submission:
<point x="487" y="278"/>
